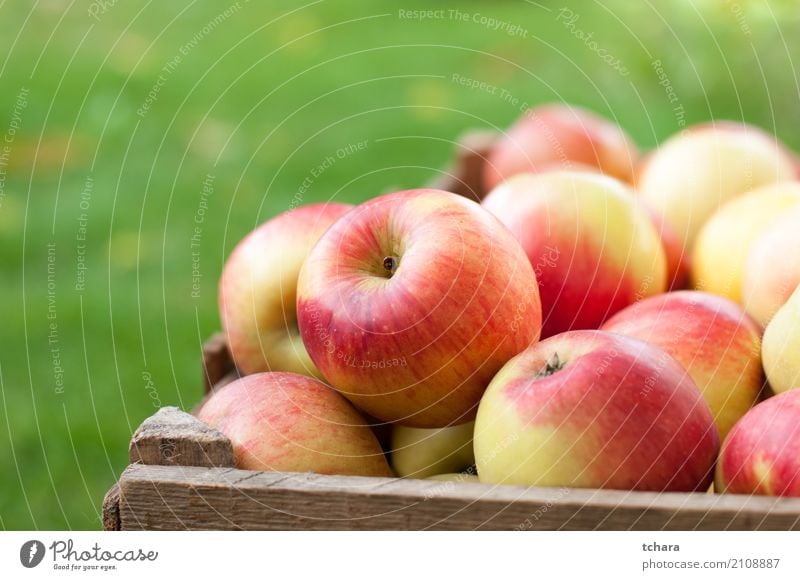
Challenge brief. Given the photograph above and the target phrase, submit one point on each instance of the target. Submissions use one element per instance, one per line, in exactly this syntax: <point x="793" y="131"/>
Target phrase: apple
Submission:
<point x="258" y="287"/>
<point x="761" y="455"/>
<point x="557" y="136"/>
<point x="410" y="303"/>
<point x="694" y="172"/>
<point x="594" y="409"/>
<point x="772" y="268"/>
<point x="724" y="242"/>
<point x="290" y="422"/>
<point x="593" y="247"/>
<point x="711" y="337"/>
<point x="422" y="453"/>
<point x="780" y="349"/>
<point x="678" y="262"/>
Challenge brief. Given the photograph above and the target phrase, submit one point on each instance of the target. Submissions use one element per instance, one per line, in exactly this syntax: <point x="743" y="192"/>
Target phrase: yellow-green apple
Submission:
<point x="421" y="453"/>
<point x="722" y="246"/>
<point x="715" y="341"/>
<point x="556" y="136"/>
<point x="599" y="410"/>
<point x="592" y="245"/>
<point x="693" y="173"/>
<point x="761" y="455"/>
<point x="410" y="303"/>
<point x="780" y="350"/>
<point x="257" y="291"/>
<point x="291" y="422"/>
<point x="772" y="268"/>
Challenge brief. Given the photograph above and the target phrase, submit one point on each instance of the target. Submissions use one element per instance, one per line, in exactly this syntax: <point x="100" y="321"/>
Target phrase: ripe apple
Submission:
<point x="410" y="303"/>
<point x="599" y="410"/>
<point x="780" y="350"/>
<point x="724" y="242"/>
<point x="714" y="340"/>
<point x="557" y="136"/>
<point x="422" y="453"/>
<point x="290" y="422"/>
<point x="592" y="246"/>
<point x="678" y="262"/>
<point x="772" y="268"/>
<point x="762" y="453"/>
<point x="257" y="291"/>
<point x="693" y="173"/>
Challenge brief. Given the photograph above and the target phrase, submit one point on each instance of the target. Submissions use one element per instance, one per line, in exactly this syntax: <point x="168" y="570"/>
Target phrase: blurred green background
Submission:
<point x="115" y="115"/>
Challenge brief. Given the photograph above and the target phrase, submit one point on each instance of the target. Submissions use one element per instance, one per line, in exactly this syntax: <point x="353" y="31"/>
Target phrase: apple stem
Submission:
<point x="552" y="366"/>
<point x="390" y="264"/>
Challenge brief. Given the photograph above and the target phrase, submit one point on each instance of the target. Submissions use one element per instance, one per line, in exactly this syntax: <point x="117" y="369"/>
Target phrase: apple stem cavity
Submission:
<point x="552" y="366"/>
<point x="390" y="265"/>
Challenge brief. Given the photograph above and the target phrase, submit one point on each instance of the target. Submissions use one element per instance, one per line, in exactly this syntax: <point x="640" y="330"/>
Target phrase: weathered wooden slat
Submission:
<point x="166" y="498"/>
<point x="172" y="437"/>
<point x="465" y="176"/>
<point x="217" y="361"/>
<point x="110" y="511"/>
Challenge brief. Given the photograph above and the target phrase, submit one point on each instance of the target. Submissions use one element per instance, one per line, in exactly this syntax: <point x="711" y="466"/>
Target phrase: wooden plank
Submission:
<point x="217" y="361"/>
<point x="168" y="498"/>
<point x="465" y="176"/>
<point x="172" y="437"/>
<point x="111" y="521"/>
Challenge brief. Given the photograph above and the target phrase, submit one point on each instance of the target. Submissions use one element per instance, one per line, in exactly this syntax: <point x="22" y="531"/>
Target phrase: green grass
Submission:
<point x="263" y="98"/>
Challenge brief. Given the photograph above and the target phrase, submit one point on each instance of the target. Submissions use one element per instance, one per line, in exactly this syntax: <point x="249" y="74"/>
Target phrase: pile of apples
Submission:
<point x="597" y="321"/>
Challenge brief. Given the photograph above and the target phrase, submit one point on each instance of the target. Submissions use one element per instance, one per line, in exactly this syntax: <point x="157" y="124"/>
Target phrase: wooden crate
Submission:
<point x="182" y="477"/>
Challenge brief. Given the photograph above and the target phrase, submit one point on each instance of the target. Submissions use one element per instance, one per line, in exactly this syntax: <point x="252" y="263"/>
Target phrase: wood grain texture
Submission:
<point x="169" y="498"/>
<point x="172" y="437"/>
<point x="110" y="510"/>
<point x="465" y="176"/>
<point x="217" y="361"/>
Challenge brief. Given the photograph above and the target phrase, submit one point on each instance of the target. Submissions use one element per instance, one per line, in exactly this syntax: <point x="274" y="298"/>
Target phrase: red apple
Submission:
<point x="593" y="248"/>
<point x="557" y="136"/>
<point x="599" y="410"/>
<point x="762" y="453"/>
<point x="678" y="260"/>
<point x="289" y="422"/>
<point x="714" y="340"/>
<point x="410" y="303"/>
<point x="257" y="291"/>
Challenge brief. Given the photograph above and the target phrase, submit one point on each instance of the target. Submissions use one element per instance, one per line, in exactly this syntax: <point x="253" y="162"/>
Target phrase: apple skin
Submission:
<point x="678" y="260"/>
<point x="291" y="422"/>
<point x="423" y="453"/>
<point x="781" y="346"/>
<point x="417" y="346"/>
<point x="772" y="268"/>
<point x="557" y="136"/>
<point x="711" y="337"/>
<point x="258" y="287"/>
<point x="724" y="242"/>
<point x="614" y="413"/>
<point x="761" y="455"/>
<point x="694" y="172"/>
<point x="593" y="247"/>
